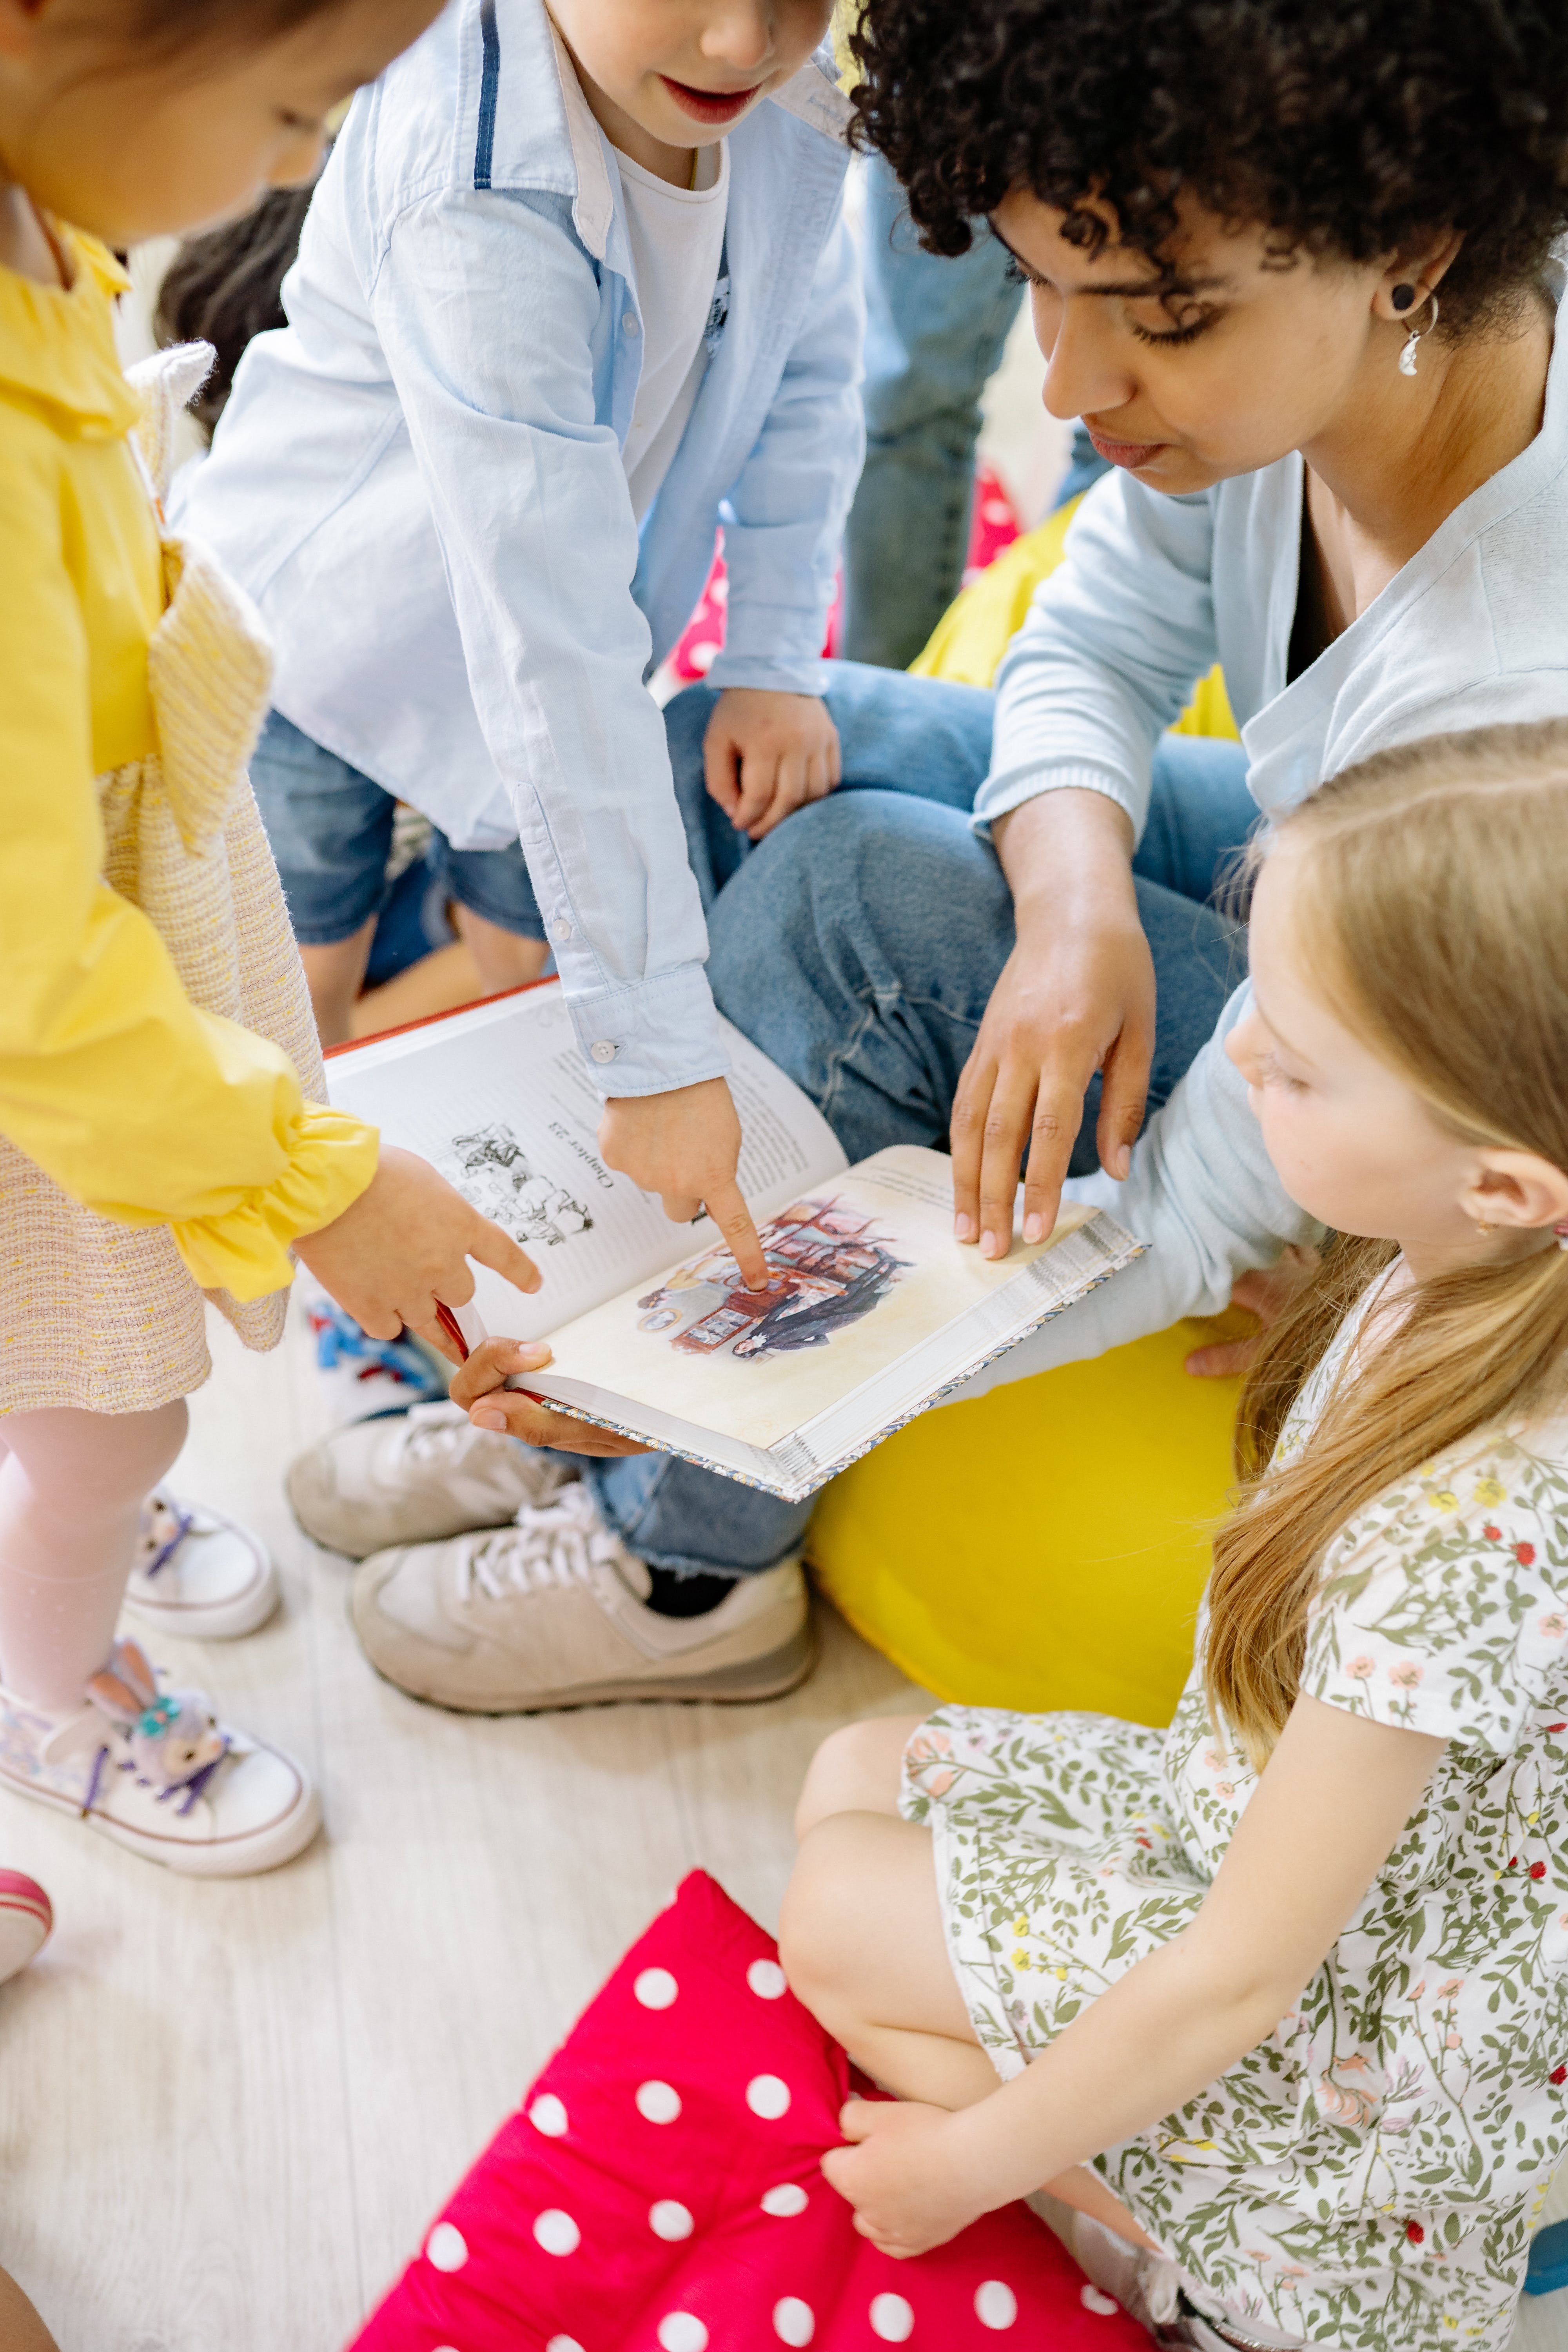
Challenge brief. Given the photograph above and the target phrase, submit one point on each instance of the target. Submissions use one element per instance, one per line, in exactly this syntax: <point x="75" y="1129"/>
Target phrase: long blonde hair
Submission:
<point x="1431" y="893"/>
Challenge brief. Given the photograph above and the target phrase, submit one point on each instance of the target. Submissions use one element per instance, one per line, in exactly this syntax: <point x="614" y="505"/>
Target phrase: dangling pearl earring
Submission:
<point x="1401" y="298"/>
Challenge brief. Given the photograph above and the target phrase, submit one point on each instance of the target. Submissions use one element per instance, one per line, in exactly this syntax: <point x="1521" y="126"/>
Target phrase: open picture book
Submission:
<point x="873" y="1312"/>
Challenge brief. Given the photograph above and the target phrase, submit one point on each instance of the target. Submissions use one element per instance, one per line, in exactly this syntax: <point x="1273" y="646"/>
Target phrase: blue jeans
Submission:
<point x="858" y="945"/>
<point x="331" y="831"/>
<point x="934" y="331"/>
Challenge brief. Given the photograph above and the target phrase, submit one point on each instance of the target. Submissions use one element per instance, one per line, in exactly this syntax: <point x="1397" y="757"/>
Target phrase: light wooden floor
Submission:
<point x="226" y="2111"/>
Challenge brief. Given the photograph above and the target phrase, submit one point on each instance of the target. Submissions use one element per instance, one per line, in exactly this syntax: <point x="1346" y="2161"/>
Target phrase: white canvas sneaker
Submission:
<point x="550" y="1612"/>
<point x="156" y="1770"/>
<point x="417" y="1478"/>
<point x="197" y="1574"/>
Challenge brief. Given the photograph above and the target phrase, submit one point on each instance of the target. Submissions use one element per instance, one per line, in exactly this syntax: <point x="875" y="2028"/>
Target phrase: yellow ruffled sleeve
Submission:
<point x="137" y="1104"/>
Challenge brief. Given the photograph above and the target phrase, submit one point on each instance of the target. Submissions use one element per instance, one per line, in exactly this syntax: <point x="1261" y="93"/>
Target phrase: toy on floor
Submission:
<point x="1548" y="2260"/>
<point x="659" y="2190"/>
<point x="27" y="1917"/>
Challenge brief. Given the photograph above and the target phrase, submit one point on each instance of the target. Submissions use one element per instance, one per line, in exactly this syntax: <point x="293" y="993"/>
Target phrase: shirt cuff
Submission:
<point x="331" y="1158"/>
<point x="1003" y="792"/>
<point x="650" y="1039"/>
<point x="769" y="673"/>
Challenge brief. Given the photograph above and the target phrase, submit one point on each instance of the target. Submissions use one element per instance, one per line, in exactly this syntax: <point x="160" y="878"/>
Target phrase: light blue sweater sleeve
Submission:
<point x="784" y="519"/>
<point x="1107" y="657"/>
<point x="1202" y="1193"/>
<point x="529" y="497"/>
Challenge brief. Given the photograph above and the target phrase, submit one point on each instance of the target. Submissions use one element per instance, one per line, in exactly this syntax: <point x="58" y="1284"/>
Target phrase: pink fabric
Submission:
<point x="625" y="2207"/>
<point x="72" y="1485"/>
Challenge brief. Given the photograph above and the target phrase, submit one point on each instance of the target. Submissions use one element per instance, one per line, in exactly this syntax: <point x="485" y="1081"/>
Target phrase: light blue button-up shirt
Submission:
<point x="420" y="482"/>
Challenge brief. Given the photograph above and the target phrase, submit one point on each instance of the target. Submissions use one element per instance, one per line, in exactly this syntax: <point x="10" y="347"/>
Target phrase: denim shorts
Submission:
<point x="331" y="831"/>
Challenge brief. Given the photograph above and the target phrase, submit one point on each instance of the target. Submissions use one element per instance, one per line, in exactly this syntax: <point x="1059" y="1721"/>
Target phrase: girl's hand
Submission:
<point x="904" y="2176"/>
<point x="405" y="1243"/>
<point x="766" y="755"/>
<point x="480" y="1386"/>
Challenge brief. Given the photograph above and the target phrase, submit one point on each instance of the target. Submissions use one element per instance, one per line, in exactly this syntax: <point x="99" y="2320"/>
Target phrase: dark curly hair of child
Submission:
<point x="1350" y="129"/>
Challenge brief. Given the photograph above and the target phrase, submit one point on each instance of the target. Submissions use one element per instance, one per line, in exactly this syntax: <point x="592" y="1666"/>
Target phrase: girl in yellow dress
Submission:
<point x="164" y="1134"/>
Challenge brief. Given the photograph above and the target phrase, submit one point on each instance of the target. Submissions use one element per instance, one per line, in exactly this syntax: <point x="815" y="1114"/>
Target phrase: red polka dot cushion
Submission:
<point x="659" y="2190"/>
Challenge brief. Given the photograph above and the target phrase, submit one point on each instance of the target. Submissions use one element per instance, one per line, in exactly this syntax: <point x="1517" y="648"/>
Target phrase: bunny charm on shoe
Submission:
<point x="171" y="1736"/>
<point x="159" y="1772"/>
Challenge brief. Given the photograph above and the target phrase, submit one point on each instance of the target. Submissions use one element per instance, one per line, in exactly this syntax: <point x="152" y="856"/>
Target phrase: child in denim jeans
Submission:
<point x="574" y="288"/>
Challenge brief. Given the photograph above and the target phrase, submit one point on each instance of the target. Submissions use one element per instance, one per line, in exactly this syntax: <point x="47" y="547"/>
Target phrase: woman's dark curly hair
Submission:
<point x="1355" y="128"/>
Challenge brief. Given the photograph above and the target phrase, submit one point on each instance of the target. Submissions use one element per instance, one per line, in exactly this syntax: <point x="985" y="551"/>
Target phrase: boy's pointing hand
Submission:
<point x="685" y="1146"/>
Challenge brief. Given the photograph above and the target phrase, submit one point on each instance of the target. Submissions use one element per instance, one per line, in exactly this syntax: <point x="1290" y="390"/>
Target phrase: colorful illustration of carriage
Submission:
<point x="830" y="1267"/>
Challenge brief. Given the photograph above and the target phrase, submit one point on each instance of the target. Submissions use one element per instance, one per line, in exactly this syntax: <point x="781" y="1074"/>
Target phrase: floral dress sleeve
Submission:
<point x="1443" y="1608"/>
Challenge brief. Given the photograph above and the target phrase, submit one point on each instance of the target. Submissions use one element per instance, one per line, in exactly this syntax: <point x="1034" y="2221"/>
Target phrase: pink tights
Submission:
<point x="71" y="1489"/>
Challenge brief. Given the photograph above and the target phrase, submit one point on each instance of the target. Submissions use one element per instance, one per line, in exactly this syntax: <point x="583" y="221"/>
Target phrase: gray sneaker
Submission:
<point x="417" y="1477"/>
<point x="550" y="1612"/>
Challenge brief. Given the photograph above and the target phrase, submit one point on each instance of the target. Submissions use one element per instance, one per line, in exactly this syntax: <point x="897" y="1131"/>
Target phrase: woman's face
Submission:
<point x="1246" y="359"/>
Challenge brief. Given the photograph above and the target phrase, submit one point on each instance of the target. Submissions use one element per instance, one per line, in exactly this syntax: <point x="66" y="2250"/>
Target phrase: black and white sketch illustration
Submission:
<point x="491" y="1169"/>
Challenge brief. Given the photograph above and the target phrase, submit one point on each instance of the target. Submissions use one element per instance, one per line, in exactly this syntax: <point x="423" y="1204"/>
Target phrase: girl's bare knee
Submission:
<point x="855" y="1770"/>
<point x="812" y="1921"/>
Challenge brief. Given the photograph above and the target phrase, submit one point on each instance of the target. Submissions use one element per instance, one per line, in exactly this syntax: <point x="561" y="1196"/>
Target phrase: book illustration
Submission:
<point x="491" y="1169"/>
<point x="831" y="1264"/>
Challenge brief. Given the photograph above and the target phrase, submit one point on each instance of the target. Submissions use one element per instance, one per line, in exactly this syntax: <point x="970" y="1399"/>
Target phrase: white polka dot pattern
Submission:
<point x="892" y="2320"/>
<point x="785" y="2201"/>
<point x="1093" y="2299"/>
<point x="657" y="2103"/>
<point x="656" y="1988"/>
<point x="995" y="2305"/>
<point x="767" y="2097"/>
<point x="795" y="2322"/>
<point x="682" y="2331"/>
<point x="548" y="2115"/>
<point x="564" y="2343"/>
<point x="556" y="2231"/>
<point x="767" y="1980"/>
<point x="445" y="2249"/>
<point x="670" y="2221"/>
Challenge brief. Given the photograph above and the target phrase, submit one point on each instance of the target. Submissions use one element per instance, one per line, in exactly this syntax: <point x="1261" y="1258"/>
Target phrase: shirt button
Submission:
<point x="629" y="321"/>
<point x="562" y="930"/>
<point x="603" y="1051"/>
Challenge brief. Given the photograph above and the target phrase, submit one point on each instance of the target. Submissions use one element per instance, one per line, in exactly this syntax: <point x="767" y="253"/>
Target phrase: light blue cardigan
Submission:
<point x="419" y="481"/>
<point x="1472" y="632"/>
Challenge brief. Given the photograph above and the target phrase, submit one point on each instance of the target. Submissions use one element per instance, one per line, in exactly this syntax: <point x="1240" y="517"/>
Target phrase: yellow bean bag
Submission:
<point x="1045" y="1545"/>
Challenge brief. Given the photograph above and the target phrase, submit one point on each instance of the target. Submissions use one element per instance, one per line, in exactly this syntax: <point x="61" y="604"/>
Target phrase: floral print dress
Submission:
<point x="1367" y="2176"/>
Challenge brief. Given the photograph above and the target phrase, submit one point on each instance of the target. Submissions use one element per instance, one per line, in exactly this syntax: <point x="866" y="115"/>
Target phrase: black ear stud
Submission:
<point x="1402" y="297"/>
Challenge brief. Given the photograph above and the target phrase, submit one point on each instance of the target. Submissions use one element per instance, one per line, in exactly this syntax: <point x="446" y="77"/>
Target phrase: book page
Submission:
<point x="498" y="1098"/>
<point x="865" y="1269"/>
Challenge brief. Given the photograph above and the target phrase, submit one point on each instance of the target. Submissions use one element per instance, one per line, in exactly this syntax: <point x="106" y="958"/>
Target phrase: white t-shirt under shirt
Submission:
<point x="678" y="241"/>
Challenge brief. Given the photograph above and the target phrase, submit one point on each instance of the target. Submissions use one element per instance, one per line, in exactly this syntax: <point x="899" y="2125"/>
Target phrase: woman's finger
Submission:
<point x="492" y="1363"/>
<point x="966" y="1134"/>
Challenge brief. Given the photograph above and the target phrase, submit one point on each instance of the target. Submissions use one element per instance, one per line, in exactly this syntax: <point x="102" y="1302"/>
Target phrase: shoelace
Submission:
<point x="558" y="1543"/>
<point x="433" y="1431"/>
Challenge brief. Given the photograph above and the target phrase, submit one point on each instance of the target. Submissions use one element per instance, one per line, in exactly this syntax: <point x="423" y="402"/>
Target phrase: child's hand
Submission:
<point x="404" y="1243"/>
<point x="481" y="1385"/>
<point x="767" y="754"/>
<point x="685" y="1145"/>
<point x="905" y="2179"/>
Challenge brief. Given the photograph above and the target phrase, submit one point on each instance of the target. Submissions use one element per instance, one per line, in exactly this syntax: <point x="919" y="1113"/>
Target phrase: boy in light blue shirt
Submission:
<point x="574" y="290"/>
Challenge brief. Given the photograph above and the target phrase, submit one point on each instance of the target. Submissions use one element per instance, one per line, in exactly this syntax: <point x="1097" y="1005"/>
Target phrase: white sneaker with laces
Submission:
<point x="198" y="1574"/>
<point x="167" y="1779"/>
<point x="552" y="1612"/>
<point x="415" y="1478"/>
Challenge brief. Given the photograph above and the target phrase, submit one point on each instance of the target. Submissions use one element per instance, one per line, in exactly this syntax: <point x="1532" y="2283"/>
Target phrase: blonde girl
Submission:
<point x="1278" y="1999"/>
<point x="162" y="1128"/>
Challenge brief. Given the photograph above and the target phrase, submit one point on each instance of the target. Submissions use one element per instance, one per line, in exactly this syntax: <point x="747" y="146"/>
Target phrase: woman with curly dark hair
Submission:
<point x="1292" y="266"/>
